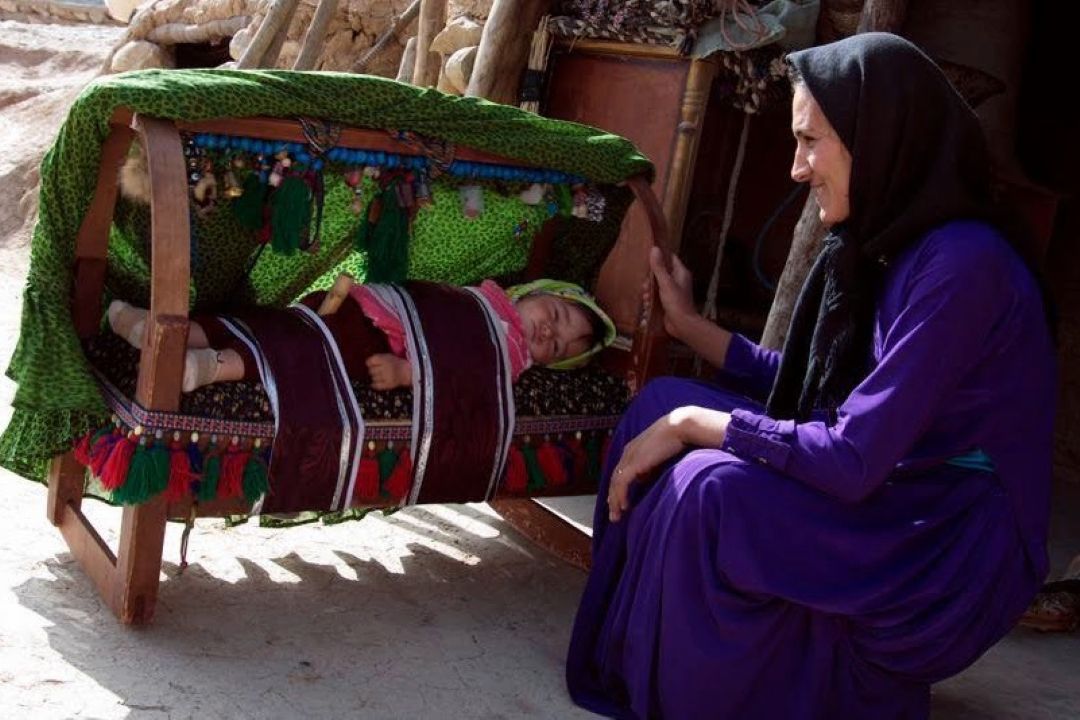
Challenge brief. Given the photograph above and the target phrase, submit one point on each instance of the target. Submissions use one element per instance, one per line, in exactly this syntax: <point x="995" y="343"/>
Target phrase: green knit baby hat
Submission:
<point x="574" y="293"/>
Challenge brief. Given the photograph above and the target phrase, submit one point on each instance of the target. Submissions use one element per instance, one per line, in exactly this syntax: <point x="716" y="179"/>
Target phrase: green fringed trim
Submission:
<point x="210" y="475"/>
<point x="592" y="457"/>
<point x="290" y="215"/>
<point x="256" y="481"/>
<point x="384" y="236"/>
<point x="147" y="476"/>
<point x="532" y="468"/>
<point x="387" y="459"/>
<point x="248" y="209"/>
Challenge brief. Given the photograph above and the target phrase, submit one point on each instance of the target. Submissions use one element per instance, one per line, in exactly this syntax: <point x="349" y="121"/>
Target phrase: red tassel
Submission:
<point x="579" y="459"/>
<point x="114" y="472"/>
<point x="517" y="477"/>
<point x="231" y="481"/>
<point x="400" y="480"/>
<point x="551" y="462"/>
<point x="82" y="449"/>
<point x="180" y="475"/>
<point x="101" y="450"/>
<point x="367" y="477"/>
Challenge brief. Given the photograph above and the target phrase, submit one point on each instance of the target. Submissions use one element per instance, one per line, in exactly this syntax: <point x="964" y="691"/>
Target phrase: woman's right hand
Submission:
<point x="676" y="292"/>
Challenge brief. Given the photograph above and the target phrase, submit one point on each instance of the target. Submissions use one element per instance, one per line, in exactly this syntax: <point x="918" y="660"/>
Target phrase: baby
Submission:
<point x="547" y="322"/>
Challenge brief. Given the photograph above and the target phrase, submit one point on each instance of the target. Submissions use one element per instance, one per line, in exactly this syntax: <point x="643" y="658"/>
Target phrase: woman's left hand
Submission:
<point x="661" y="441"/>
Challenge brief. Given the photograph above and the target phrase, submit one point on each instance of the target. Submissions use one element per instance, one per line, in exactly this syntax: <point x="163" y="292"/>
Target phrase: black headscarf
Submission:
<point x="919" y="159"/>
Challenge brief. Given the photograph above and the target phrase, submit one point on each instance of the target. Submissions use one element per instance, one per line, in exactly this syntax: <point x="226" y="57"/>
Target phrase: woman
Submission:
<point x="881" y="520"/>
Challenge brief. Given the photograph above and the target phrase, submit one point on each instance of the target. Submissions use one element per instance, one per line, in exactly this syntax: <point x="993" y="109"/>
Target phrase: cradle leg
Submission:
<point x="66" y="480"/>
<point x="546" y="529"/>
<point x="138" y="561"/>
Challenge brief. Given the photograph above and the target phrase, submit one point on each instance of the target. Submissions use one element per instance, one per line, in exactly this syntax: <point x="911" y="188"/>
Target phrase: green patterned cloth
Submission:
<point x="57" y="399"/>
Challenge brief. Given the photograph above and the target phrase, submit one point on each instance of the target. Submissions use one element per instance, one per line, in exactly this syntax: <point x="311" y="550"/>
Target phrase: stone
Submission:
<point x="459" y="33"/>
<point x="140" y="55"/>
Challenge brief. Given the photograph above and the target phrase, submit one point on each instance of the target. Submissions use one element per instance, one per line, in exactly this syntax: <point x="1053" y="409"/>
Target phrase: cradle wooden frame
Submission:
<point x="128" y="579"/>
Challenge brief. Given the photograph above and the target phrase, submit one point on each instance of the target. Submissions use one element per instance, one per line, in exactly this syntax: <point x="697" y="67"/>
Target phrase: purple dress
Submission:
<point x="815" y="571"/>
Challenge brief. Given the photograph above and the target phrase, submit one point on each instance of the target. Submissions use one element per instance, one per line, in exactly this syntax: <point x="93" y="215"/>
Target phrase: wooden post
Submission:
<point x="883" y="16"/>
<point x="877" y="16"/>
<point x="432" y="20"/>
<point x="504" y="49"/>
<point x="276" y="22"/>
<point x="315" y="38"/>
<point x="805" y="244"/>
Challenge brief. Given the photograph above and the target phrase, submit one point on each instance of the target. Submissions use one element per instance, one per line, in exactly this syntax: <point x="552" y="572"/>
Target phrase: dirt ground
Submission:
<point x="434" y="612"/>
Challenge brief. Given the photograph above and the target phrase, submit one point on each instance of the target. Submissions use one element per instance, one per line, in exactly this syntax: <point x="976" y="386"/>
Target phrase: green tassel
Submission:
<point x="248" y="208"/>
<point x="532" y="467"/>
<point x="159" y="460"/>
<point x="387" y="459"/>
<point x="384" y="236"/>
<point x="256" y="481"/>
<point x="592" y="457"/>
<point x="565" y="200"/>
<point x="290" y="215"/>
<point x="139" y="483"/>
<point x="211" y="473"/>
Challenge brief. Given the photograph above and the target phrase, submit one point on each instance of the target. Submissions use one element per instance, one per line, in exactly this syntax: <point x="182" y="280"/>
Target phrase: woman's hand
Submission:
<point x="676" y="293"/>
<point x="661" y="441"/>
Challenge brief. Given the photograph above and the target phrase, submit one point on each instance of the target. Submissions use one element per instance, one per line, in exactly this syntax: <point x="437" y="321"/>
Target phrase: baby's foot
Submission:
<point x="128" y="322"/>
<point x="200" y="368"/>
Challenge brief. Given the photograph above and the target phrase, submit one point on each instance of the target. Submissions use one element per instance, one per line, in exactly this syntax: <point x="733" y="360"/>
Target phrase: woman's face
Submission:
<point x="820" y="158"/>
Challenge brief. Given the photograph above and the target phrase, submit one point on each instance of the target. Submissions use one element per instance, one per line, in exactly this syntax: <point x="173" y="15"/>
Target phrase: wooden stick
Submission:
<point x="391" y="32"/>
<point x="408" y="62"/>
<point x="176" y="33"/>
<point x="432" y="20"/>
<point x="315" y="38"/>
<point x="504" y="49"/>
<point x="276" y="22"/>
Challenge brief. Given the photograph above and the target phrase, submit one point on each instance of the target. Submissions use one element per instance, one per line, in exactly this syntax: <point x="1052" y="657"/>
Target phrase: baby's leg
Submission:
<point x="205" y="366"/>
<point x="129" y="322"/>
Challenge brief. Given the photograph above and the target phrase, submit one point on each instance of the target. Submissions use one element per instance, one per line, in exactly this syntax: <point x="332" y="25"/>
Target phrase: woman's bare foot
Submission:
<point x="128" y="322"/>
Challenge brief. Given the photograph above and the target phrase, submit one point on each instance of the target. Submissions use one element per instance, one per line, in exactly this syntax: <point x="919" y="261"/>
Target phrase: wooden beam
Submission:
<point x="504" y="49"/>
<point x="276" y="22"/>
<point x="432" y="20"/>
<point x="315" y="39"/>
<point x="351" y="137"/>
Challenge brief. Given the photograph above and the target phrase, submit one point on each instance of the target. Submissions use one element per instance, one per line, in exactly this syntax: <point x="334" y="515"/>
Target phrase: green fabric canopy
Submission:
<point x="57" y="399"/>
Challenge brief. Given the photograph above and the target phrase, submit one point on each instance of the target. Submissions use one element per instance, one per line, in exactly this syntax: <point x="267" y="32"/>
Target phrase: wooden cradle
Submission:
<point x="128" y="579"/>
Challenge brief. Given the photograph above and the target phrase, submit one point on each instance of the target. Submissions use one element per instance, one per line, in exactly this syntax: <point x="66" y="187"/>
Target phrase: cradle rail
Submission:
<point x="128" y="580"/>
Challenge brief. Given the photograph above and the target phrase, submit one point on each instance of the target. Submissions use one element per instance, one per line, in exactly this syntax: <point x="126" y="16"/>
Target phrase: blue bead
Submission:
<point x="392" y="161"/>
<point x="318" y="165"/>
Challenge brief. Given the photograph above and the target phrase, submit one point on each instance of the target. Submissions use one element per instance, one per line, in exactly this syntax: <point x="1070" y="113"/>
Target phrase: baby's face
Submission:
<point x="555" y="329"/>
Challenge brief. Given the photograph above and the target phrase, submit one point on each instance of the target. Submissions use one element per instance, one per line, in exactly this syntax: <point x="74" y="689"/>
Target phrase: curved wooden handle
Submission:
<point x="162" y="363"/>
<point x="661" y="236"/>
